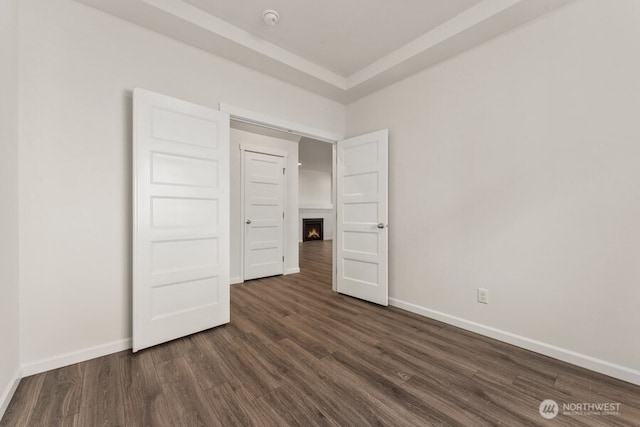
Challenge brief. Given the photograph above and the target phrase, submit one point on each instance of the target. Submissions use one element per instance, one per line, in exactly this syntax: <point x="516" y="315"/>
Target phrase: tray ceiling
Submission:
<point x="340" y="49"/>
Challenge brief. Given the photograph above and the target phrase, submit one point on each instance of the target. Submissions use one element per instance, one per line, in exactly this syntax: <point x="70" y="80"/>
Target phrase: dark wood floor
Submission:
<point x="295" y="353"/>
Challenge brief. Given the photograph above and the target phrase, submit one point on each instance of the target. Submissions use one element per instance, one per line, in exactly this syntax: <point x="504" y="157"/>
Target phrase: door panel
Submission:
<point x="264" y="215"/>
<point x="180" y="218"/>
<point x="362" y="215"/>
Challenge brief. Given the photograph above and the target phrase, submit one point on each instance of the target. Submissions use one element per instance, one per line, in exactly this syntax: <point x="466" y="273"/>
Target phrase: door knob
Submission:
<point x="380" y="225"/>
<point x="248" y="221"/>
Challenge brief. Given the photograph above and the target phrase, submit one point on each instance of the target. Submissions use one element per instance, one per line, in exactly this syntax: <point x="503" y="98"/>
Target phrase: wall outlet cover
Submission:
<point x="483" y="295"/>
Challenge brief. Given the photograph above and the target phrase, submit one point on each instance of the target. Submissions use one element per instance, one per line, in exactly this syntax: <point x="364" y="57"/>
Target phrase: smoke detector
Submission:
<point x="270" y="17"/>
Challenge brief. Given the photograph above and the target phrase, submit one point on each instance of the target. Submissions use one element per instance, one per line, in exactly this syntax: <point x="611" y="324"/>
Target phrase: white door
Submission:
<point x="362" y="215"/>
<point x="263" y="215"/>
<point x="180" y="218"/>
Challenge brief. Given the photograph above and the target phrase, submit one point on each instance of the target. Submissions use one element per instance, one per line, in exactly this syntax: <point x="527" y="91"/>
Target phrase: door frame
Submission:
<point x="271" y="152"/>
<point x="264" y="120"/>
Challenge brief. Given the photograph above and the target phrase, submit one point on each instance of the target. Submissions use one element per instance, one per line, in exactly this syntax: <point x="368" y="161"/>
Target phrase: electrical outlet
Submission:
<point x="483" y="295"/>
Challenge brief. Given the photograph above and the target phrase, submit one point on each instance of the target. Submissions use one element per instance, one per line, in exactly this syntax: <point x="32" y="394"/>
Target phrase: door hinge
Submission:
<point x="282" y="258"/>
<point x="283" y="169"/>
<point x="282" y="214"/>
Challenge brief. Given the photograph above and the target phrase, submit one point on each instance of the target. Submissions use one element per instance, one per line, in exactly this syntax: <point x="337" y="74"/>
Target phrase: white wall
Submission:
<point x="315" y="171"/>
<point x="315" y="187"/>
<point x="514" y="167"/>
<point x="239" y="137"/>
<point x="9" y="298"/>
<point x="78" y="67"/>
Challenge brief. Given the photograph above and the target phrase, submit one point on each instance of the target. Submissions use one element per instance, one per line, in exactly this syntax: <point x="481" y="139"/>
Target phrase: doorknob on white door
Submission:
<point x="380" y="225"/>
<point x="248" y="221"/>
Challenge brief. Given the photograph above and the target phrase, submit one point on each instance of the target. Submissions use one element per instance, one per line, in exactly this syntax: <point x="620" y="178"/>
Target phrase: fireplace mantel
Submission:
<point x="316" y="207"/>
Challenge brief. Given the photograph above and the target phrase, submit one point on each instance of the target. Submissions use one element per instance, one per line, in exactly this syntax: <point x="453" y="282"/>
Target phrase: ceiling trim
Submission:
<point x="237" y="35"/>
<point x="189" y="24"/>
<point x="465" y="20"/>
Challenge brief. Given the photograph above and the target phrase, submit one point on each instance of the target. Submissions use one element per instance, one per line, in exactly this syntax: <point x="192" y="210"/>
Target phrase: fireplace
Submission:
<point x="312" y="229"/>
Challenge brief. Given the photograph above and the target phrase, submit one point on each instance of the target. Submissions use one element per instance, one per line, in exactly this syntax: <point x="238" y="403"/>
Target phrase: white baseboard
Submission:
<point x="602" y="366"/>
<point x="75" y="357"/>
<point x="238" y="280"/>
<point x="10" y="389"/>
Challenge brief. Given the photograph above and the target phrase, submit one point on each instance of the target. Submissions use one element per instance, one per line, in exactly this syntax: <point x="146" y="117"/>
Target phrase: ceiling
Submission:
<point x="315" y="155"/>
<point x="342" y="36"/>
<point x="340" y="49"/>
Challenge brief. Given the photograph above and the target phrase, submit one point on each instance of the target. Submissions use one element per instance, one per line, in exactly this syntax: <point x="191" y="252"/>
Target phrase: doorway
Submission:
<point x="360" y="197"/>
<point x="316" y="192"/>
<point x="263" y="170"/>
<point x="247" y="142"/>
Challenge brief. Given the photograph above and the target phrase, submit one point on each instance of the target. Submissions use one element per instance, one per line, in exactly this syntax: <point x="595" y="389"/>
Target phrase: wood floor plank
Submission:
<point x="187" y="402"/>
<point x="245" y="367"/>
<point x="307" y="338"/>
<point x="167" y="351"/>
<point x="61" y="394"/>
<point x="453" y="408"/>
<point x="233" y="406"/>
<point x="139" y="379"/>
<point x="68" y="421"/>
<point x="205" y="363"/>
<point x="295" y="363"/>
<point x="296" y="353"/>
<point x="21" y="408"/>
<point x="268" y="302"/>
<point x="156" y="413"/>
<point x="144" y="403"/>
<point x="337" y="335"/>
<point x="383" y="397"/>
<point x="373" y="364"/>
<point x="415" y="359"/>
<point x="511" y="405"/>
<point x="102" y="397"/>
<point x="329" y="394"/>
<point x="262" y="323"/>
<point x="293" y="409"/>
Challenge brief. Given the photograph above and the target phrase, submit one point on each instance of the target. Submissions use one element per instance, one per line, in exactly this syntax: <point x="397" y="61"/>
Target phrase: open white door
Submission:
<point x="362" y="211"/>
<point x="264" y="215"/>
<point x="180" y="218"/>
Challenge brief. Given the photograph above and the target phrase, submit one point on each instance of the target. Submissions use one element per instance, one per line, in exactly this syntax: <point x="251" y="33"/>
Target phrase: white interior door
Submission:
<point x="180" y="218"/>
<point x="362" y="215"/>
<point x="263" y="215"/>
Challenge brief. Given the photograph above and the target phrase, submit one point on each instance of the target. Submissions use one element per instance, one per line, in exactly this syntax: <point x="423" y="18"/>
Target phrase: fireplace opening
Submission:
<point x="312" y="229"/>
